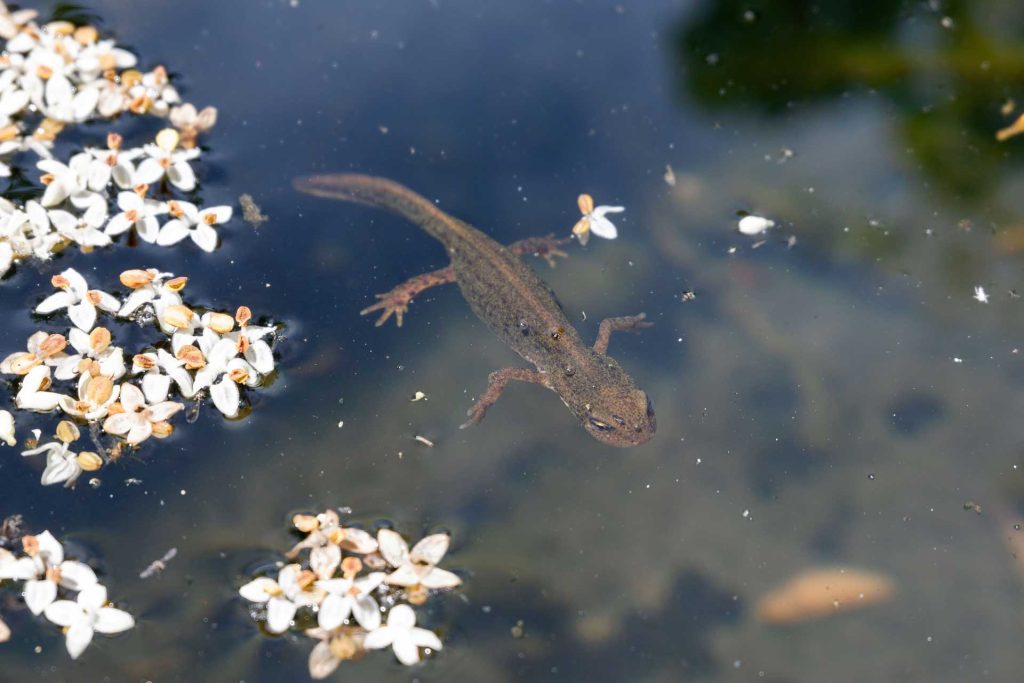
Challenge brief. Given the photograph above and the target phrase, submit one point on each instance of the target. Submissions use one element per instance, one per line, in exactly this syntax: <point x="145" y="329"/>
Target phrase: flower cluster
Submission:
<point x="354" y="611"/>
<point x="130" y="399"/>
<point x="59" y="74"/>
<point x="50" y="579"/>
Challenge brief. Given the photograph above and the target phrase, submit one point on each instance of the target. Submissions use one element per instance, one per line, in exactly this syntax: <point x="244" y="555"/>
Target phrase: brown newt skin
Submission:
<point x="518" y="306"/>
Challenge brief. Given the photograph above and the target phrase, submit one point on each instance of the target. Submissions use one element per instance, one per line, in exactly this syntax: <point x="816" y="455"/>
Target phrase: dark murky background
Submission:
<point x="810" y="409"/>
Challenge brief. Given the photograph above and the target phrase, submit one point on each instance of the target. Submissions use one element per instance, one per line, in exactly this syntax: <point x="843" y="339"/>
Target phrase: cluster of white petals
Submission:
<point x="354" y="611"/>
<point x="48" y="582"/>
<point x="80" y="373"/>
<point x="57" y="75"/>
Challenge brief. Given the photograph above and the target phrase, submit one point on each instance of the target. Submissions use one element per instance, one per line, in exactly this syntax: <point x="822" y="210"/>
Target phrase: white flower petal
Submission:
<point x="393" y="547"/>
<point x="83" y="315"/>
<point x="334" y="610"/>
<point x="279" y="614"/>
<point x="259" y="589"/>
<point x="39" y="594"/>
<point x="78" y="637"/>
<point x="112" y="620"/>
<point x="225" y="397"/>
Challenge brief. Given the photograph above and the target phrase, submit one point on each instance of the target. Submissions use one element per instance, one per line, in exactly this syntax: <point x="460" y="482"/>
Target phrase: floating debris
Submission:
<point x="157" y="566"/>
<point x="754" y="225"/>
<point x="418" y="396"/>
<point x="688" y="295"/>
<point x="973" y="507"/>
<point x="670" y="176"/>
<point x="425" y="441"/>
<point x="1015" y="128"/>
<point x="593" y="220"/>
<point x="49" y="580"/>
<point x="1008" y="106"/>
<point x="348" y="603"/>
<point x="251" y="213"/>
<point x="818" y="593"/>
<point x="980" y="294"/>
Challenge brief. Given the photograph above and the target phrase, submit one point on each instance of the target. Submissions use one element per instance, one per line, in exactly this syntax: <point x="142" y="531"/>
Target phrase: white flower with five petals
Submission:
<point x="87" y="615"/>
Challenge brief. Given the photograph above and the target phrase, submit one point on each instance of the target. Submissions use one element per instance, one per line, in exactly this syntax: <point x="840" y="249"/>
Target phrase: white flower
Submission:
<point x="137" y="421"/>
<point x="102" y="56"/>
<point x="283" y="597"/>
<point x="33" y="394"/>
<point x="350" y="597"/>
<point x="52" y="570"/>
<point x="155" y="383"/>
<point x="87" y="615"/>
<point x="164" y="161"/>
<point x="329" y="531"/>
<point x="83" y="230"/>
<point x="593" y="220"/>
<point x="7" y="428"/>
<point x="138" y="213"/>
<point x="115" y="163"/>
<point x="12" y="22"/>
<point x="94" y="346"/>
<point x="96" y="393"/>
<point x="754" y="225"/>
<point x="79" y="180"/>
<point x="43" y="349"/>
<point x="980" y="294"/>
<point x="189" y="221"/>
<point x="191" y="123"/>
<point x="80" y="301"/>
<point x="418" y="567"/>
<point x="61" y="464"/>
<point x="402" y="634"/>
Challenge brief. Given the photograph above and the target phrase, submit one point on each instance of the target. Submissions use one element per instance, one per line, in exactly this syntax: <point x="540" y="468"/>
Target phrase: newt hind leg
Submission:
<point x="495" y="385"/>
<point x="629" y="323"/>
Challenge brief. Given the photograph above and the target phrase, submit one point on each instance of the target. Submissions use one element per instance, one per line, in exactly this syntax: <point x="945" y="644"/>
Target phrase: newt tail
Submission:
<point x="519" y="307"/>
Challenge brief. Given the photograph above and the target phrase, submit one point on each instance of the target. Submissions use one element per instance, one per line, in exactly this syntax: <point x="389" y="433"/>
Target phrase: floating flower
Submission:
<point x="84" y="230"/>
<point x="93" y="347"/>
<point x="191" y="123"/>
<point x="335" y="646"/>
<point x="754" y="225"/>
<point x="80" y="301"/>
<point x="139" y="421"/>
<point x="86" y="616"/>
<point x="139" y="213"/>
<point x="164" y="162"/>
<point x="96" y="395"/>
<point x="345" y="597"/>
<point x="51" y="571"/>
<point x="284" y="596"/>
<point x="189" y="221"/>
<point x="7" y="428"/>
<point x="33" y="394"/>
<point x="43" y="349"/>
<point x="594" y="220"/>
<point x="418" y="567"/>
<point x="402" y="634"/>
<point x="150" y="286"/>
<point x="79" y="180"/>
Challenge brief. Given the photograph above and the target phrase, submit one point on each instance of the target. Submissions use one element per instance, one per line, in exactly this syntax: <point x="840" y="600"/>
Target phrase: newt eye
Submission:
<point x="603" y="426"/>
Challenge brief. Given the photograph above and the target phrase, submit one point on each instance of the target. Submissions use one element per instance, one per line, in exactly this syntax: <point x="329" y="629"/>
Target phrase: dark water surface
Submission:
<point x="811" y="409"/>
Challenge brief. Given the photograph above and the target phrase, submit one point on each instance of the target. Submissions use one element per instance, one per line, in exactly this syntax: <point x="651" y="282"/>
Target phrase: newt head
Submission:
<point x="611" y="407"/>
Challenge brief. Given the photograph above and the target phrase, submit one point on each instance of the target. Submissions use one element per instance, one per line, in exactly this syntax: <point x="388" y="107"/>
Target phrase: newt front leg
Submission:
<point x="398" y="299"/>
<point x="495" y="385"/>
<point x="396" y="302"/>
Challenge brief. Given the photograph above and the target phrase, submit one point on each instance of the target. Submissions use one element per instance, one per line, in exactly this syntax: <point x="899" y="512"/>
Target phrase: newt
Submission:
<point x="517" y="305"/>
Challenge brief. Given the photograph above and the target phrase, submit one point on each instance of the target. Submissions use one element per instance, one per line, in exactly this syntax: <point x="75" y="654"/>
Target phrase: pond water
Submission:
<point x="832" y="394"/>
